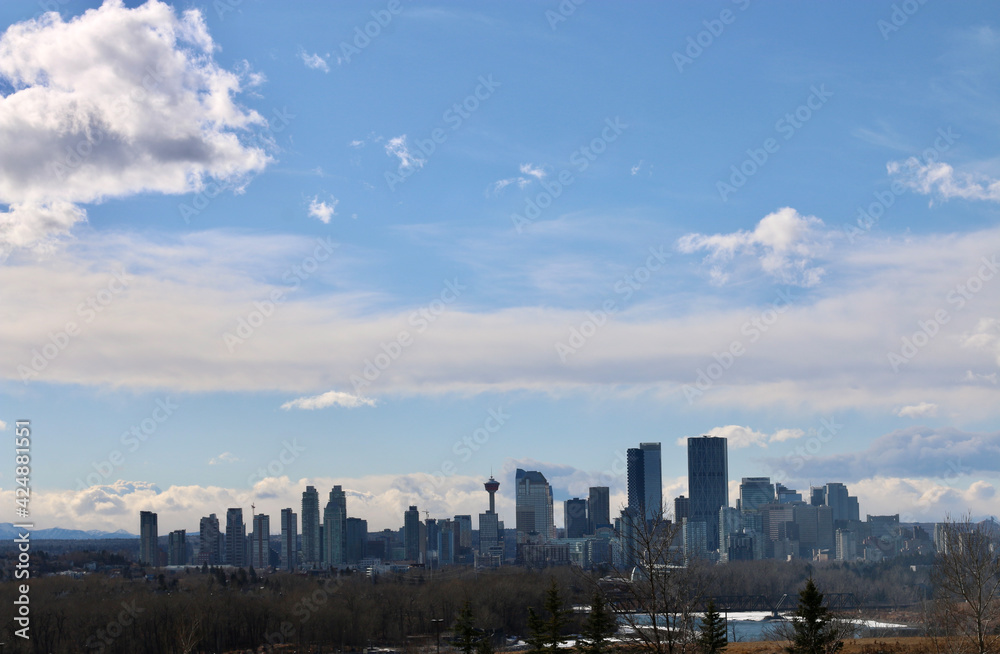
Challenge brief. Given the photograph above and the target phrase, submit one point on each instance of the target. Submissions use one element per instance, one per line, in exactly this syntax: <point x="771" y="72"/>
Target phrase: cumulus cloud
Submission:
<point x="922" y="410"/>
<point x="532" y="170"/>
<point x="3" y="425"/>
<point x="398" y="147"/>
<point x="314" y="61"/>
<point x="225" y="457"/>
<point x="323" y="211"/>
<point x="328" y="399"/>
<point x="114" y="102"/>
<point x="739" y="437"/>
<point x="941" y="180"/>
<point x="924" y="500"/>
<point x="784" y="243"/>
<point x="943" y="453"/>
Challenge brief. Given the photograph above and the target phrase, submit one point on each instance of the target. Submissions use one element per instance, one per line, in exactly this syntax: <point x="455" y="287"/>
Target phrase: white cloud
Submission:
<point x="398" y="147"/>
<point x="784" y="243"/>
<point x="740" y="437"/>
<point x="534" y="171"/>
<point x="924" y="500"/>
<point x="922" y="410"/>
<point x="636" y="168"/>
<point x="939" y="178"/>
<point x="356" y="143"/>
<point x="323" y="211"/>
<point x="315" y="62"/>
<point x="225" y="457"/>
<point x="114" y="102"/>
<point x="330" y="398"/>
<point x="3" y="425"/>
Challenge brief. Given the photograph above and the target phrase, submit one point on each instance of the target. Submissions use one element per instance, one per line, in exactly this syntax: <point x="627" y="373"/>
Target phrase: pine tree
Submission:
<point x="464" y="629"/>
<point x="599" y="626"/>
<point x="814" y="633"/>
<point x="545" y="634"/>
<point x="713" y="631"/>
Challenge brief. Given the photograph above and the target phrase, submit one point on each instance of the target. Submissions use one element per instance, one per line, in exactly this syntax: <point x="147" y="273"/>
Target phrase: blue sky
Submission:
<point x="306" y="254"/>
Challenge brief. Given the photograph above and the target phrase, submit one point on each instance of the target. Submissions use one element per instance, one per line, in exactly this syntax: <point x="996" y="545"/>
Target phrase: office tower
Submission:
<point x="629" y="524"/>
<point x="534" y="507"/>
<point x="357" y="539"/>
<point x="210" y="548"/>
<point x="177" y="547"/>
<point x="149" y="552"/>
<point x="312" y="555"/>
<point x="446" y="542"/>
<point x="695" y="536"/>
<point x="575" y="517"/>
<point x="682" y="508"/>
<point x="489" y="533"/>
<point x="645" y="482"/>
<point x="260" y="541"/>
<point x="847" y="545"/>
<point x="335" y="527"/>
<point x="289" y="539"/>
<point x="708" y="483"/>
<point x="824" y="528"/>
<point x="853" y="508"/>
<point x="464" y="523"/>
<point x="755" y="492"/>
<point x="598" y="508"/>
<point x="786" y="495"/>
<point x="817" y="495"/>
<point x="236" y="538"/>
<point x="836" y="498"/>
<point x="411" y="534"/>
<point x="433" y="544"/>
<point x="730" y="525"/>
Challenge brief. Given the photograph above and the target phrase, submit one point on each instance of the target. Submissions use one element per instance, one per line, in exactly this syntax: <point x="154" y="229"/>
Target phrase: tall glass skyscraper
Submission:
<point x="311" y="554"/>
<point x="755" y="492"/>
<point x="645" y="481"/>
<point x="411" y="534"/>
<point x="598" y="508"/>
<point x="708" y="483"/>
<point x="335" y="528"/>
<point x="289" y="539"/>
<point x="260" y="541"/>
<point x="210" y="541"/>
<point x="534" y="507"/>
<point x="149" y="551"/>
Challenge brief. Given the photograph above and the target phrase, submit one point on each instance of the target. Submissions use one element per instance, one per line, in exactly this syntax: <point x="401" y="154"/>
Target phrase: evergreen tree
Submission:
<point x="464" y="629"/>
<point x="545" y="634"/>
<point x="713" y="631"/>
<point x="600" y="625"/>
<point x="814" y="632"/>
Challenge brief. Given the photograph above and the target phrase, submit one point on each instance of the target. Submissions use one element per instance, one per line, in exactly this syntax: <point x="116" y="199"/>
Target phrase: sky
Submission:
<point x="401" y="246"/>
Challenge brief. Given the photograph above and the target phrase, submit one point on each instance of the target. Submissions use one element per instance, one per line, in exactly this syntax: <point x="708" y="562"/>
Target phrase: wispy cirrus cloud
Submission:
<point x="399" y="147"/>
<point x="315" y="61"/>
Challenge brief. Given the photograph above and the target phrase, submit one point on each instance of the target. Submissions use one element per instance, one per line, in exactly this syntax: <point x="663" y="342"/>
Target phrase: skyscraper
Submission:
<point x="708" y="483"/>
<point x="312" y="556"/>
<point x="260" y="541"/>
<point x="236" y="538"/>
<point x="490" y="534"/>
<point x="289" y="538"/>
<point x="575" y="517"/>
<point x="682" y="508"/>
<point x="357" y="538"/>
<point x="598" y="508"/>
<point x="177" y="547"/>
<point x="534" y="507"/>
<point x="645" y="481"/>
<point x="149" y="551"/>
<point x="755" y="492"/>
<point x="210" y="548"/>
<point x="464" y="524"/>
<point x="335" y="527"/>
<point x="411" y="534"/>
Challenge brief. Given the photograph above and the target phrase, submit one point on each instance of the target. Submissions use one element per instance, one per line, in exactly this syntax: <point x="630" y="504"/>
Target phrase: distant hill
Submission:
<point x="8" y="531"/>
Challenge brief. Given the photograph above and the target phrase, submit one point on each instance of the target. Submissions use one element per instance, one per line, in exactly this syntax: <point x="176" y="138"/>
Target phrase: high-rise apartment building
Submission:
<point x="682" y="508"/>
<point x="357" y="539"/>
<point x="177" y="547"/>
<point x="598" y="508"/>
<point x="236" y="538"/>
<point x="411" y="534"/>
<point x="464" y="523"/>
<point x="708" y="483"/>
<point x="335" y="527"/>
<point x="312" y="555"/>
<point x="575" y="517"/>
<point x="149" y="551"/>
<point x="534" y="507"/>
<point x="260" y="541"/>
<point x="210" y="542"/>
<point x="289" y="540"/>
<point x="645" y="480"/>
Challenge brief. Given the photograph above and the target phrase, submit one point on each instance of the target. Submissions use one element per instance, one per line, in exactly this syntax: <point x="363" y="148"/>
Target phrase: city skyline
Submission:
<point x="385" y="248"/>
